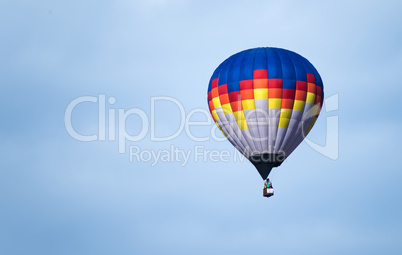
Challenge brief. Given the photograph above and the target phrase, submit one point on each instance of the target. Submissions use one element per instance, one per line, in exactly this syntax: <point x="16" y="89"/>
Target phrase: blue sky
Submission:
<point x="62" y="196"/>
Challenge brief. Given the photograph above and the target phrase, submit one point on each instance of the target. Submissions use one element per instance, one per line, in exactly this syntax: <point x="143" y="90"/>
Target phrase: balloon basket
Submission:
<point x="268" y="192"/>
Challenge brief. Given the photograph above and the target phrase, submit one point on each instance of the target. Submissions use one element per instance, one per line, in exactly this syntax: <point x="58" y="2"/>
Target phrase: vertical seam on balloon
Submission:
<point x="268" y="137"/>
<point x="291" y="142"/>
<point x="293" y="145"/>
<point x="295" y="83"/>
<point x="247" y="131"/>
<point x="241" y="145"/>
<point x="295" y="142"/>
<point x="239" y="136"/>
<point x="255" y="109"/>
<point x="277" y="128"/>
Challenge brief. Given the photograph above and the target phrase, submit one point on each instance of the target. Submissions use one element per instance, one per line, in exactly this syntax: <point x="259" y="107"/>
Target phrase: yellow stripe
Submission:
<point x="283" y="122"/>
<point x="215" y="114"/>
<point x="298" y="105"/>
<point x="242" y="124"/>
<point x="274" y="103"/>
<point x="226" y="109"/>
<point x="241" y="119"/>
<point x="310" y="98"/>
<point x="284" y="118"/>
<point x="286" y="113"/>
<point x="260" y="93"/>
<point x="239" y="115"/>
<point x="248" y="104"/>
<point x="216" y="102"/>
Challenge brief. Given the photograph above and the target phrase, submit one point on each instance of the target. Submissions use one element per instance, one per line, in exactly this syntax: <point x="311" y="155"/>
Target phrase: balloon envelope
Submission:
<point x="265" y="101"/>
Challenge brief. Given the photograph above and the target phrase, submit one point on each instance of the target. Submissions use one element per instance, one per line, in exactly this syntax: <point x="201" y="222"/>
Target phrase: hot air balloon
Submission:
<point x="265" y="101"/>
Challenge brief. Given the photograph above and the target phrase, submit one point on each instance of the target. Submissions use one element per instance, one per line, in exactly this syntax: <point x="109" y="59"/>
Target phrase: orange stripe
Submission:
<point x="300" y="95"/>
<point x="247" y="94"/>
<point x="261" y="83"/>
<point x="224" y="98"/>
<point x="311" y="87"/>
<point x="287" y="103"/>
<point x="236" y="106"/>
<point x="211" y="105"/>
<point x="274" y="93"/>
<point x="214" y="92"/>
